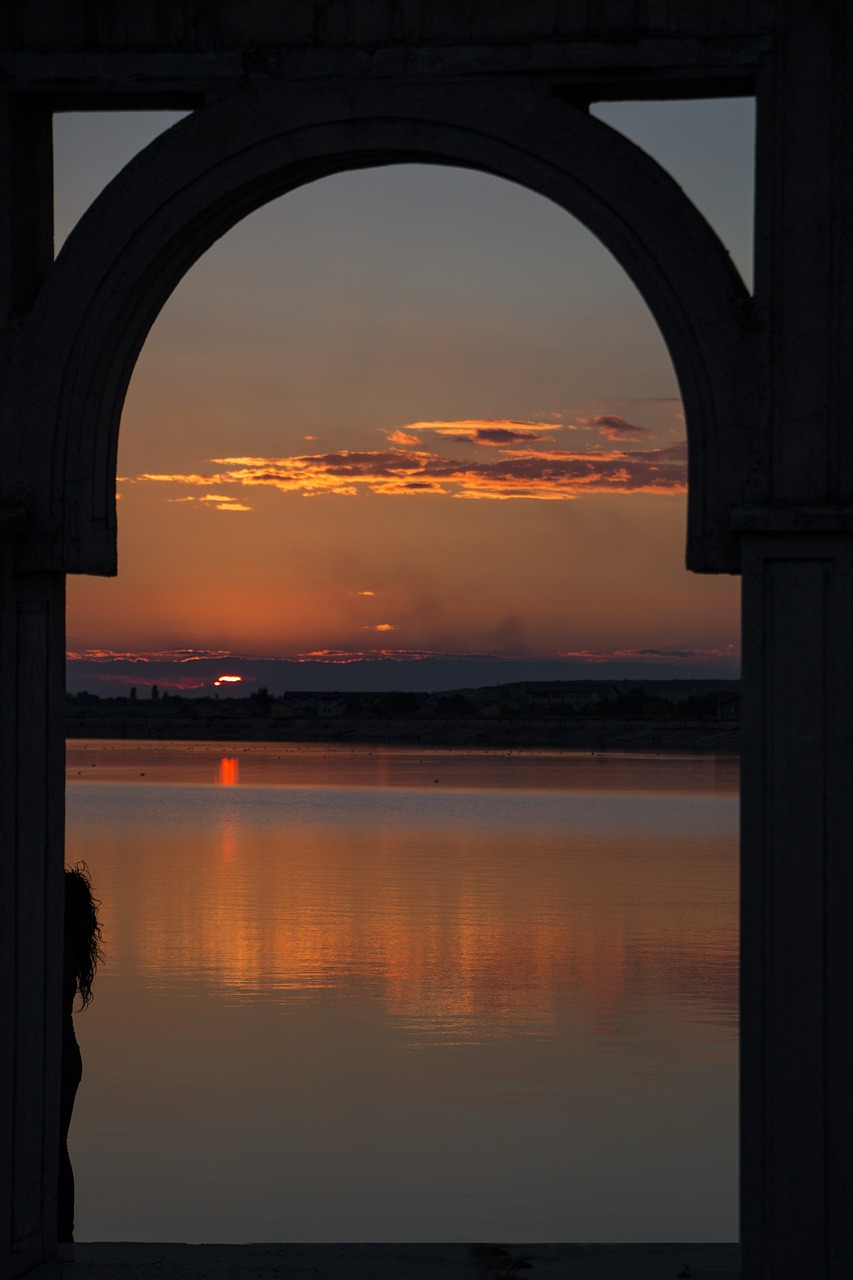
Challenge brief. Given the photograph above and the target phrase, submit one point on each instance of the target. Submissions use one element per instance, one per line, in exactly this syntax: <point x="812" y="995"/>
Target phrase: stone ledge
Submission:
<point x="115" y="1261"/>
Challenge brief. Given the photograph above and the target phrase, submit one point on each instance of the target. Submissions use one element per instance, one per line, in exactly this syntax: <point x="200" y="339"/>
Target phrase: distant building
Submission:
<point x="331" y="705"/>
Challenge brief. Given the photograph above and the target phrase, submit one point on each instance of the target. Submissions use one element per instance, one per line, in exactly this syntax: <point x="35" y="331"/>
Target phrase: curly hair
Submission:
<point x="82" y="931"/>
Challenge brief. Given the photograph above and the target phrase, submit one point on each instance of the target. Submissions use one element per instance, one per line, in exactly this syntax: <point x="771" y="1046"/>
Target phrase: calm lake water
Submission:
<point x="386" y="994"/>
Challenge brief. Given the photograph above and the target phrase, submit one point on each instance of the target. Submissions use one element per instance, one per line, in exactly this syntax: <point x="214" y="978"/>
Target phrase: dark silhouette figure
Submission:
<point x="81" y="955"/>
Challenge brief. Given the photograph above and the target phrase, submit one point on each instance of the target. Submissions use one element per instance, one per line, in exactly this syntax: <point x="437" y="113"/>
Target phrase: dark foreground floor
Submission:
<point x="402" y="1262"/>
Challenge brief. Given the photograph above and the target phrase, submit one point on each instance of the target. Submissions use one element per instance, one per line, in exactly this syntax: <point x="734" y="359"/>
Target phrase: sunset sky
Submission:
<point x="416" y="414"/>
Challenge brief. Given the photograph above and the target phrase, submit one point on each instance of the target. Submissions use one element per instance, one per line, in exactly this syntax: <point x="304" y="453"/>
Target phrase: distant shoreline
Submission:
<point x="569" y="734"/>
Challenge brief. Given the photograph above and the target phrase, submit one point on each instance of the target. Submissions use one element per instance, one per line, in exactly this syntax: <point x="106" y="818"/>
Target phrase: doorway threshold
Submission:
<point x="138" y="1261"/>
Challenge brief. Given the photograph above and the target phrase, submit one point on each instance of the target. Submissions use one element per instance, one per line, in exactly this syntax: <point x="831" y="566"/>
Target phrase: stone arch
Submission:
<point x="228" y="158"/>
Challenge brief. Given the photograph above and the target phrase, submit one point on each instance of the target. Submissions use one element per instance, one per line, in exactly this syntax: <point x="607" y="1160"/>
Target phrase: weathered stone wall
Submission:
<point x="255" y="24"/>
<point x="158" y="52"/>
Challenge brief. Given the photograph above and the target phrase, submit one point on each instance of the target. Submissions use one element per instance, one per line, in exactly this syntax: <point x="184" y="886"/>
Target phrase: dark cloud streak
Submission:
<point x="614" y="427"/>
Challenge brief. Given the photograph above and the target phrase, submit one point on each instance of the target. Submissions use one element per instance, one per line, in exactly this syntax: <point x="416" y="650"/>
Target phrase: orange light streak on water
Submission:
<point x="447" y="946"/>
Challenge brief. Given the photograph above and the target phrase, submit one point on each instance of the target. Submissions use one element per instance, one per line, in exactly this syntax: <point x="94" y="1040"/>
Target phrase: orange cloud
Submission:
<point x="382" y="626"/>
<point x="358" y="655"/>
<point x="546" y="475"/>
<point x="204" y="481"/>
<point x="402" y="437"/>
<point x="155" y="655"/>
<point x="617" y="655"/>
<point x="219" y="501"/>
<point x="487" y="431"/>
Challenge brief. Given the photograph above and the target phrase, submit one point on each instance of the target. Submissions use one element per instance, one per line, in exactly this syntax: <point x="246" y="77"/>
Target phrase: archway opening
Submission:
<point x="533" y="434"/>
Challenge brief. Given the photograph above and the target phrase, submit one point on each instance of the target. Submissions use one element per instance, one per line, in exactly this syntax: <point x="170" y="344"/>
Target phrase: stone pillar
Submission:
<point x="797" y="895"/>
<point x="32" y="695"/>
<point x="32" y="625"/>
<point x="797" y="798"/>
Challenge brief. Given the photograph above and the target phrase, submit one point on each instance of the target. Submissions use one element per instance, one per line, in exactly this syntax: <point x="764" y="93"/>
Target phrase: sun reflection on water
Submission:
<point x="228" y="774"/>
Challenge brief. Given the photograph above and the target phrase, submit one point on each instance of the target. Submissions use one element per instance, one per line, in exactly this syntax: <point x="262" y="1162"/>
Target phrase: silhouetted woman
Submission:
<point x="82" y="953"/>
